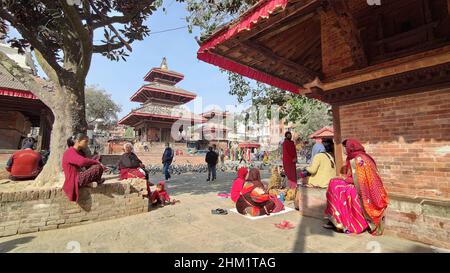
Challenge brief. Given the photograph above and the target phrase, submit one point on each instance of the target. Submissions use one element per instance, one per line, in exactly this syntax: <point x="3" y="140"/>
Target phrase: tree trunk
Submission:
<point x="69" y="112"/>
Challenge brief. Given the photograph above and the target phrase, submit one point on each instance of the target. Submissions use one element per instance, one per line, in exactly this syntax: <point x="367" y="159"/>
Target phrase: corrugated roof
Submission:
<point x="8" y="81"/>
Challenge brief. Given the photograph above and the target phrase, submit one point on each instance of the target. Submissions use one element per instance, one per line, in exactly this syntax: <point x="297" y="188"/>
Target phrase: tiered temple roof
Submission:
<point x="161" y="99"/>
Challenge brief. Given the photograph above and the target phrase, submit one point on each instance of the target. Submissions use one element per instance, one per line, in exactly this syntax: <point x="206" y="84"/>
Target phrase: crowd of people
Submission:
<point x="356" y="200"/>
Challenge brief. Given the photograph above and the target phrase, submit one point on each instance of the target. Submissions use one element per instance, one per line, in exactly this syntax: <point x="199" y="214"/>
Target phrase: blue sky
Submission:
<point x="122" y="79"/>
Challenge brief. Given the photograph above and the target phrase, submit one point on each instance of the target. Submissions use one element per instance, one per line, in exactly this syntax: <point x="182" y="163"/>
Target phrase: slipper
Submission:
<point x="328" y="226"/>
<point x="219" y="212"/>
<point x="285" y="225"/>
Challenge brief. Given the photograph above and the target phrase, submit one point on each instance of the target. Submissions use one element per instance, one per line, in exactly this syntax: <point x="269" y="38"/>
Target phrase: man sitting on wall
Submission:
<point x="25" y="164"/>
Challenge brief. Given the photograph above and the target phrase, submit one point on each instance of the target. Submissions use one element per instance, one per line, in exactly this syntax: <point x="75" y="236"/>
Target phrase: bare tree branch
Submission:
<point x="85" y="36"/>
<point x="107" y="47"/>
<point x="33" y="39"/>
<point x="105" y="21"/>
<point x="112" y="28"/>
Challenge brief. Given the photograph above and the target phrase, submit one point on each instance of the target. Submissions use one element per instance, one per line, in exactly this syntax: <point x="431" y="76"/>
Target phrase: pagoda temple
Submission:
<point x="161" y="103"/>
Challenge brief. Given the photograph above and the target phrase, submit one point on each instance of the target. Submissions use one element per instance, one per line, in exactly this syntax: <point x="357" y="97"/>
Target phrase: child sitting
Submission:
<point x="160" y="196"/>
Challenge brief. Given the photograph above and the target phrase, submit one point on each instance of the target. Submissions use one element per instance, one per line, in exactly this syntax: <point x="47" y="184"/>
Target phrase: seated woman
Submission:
<point x="253" y="199"/>
<point x="255" y="176"/>
<point x="79" y="171"/>
<point x="238" y="183"/>
<point x="359" y="201"/>
<point x="322" y="168"/>
<point x="130" y="166"/>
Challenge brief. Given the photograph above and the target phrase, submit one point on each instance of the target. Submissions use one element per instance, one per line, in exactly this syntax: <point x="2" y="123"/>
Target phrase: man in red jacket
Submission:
<point x="290" y="160"/>
<point x="25" y="164"/>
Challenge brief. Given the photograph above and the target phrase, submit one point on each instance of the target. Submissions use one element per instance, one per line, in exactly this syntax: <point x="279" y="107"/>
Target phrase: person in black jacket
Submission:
<point x="167" y="159"/>
<point x="212" y="159"/>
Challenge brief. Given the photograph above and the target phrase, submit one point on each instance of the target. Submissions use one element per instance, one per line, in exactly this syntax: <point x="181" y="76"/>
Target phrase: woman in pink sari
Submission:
<point x="358" y="202"/>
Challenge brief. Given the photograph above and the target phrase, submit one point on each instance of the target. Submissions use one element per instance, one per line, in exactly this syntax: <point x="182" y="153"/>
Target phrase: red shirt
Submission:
<point x="25" y="164"/>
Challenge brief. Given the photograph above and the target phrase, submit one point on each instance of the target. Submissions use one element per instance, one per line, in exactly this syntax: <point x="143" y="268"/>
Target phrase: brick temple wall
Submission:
<point x="13" y="126"/>
<point x="39" y="210"/>
<point x="409" y="138"/>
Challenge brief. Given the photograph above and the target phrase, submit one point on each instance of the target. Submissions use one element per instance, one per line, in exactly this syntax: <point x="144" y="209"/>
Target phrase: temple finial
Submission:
<point x="164" y="65"/>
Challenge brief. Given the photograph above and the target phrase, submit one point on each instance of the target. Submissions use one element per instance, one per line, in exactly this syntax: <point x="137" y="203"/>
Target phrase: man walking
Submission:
<point x="211" y="158"/>
<point x="167" y="159"/>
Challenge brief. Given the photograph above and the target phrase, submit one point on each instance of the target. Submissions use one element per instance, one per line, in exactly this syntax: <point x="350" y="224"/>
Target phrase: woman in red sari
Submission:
<point x="358" y="202"/>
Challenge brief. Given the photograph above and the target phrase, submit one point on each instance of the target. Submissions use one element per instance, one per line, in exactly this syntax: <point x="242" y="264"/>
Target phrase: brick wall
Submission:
<point x="409" y="138"/>
<point x="336" y="52"/>
<point x="39" y="210"/>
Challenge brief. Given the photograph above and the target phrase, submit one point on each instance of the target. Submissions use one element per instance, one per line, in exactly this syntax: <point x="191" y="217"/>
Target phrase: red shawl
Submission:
<point x="369" y="185"/>
<point x="238" y="184"/>
<point x="72" y="161"/>
<point x="128" y="173"/>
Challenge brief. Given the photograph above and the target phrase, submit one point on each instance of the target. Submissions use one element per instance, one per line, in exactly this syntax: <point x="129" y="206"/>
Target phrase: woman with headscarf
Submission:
<point x="358" y="202"/>
<point x="238" y="183"/>
<point x="254" y="199"/>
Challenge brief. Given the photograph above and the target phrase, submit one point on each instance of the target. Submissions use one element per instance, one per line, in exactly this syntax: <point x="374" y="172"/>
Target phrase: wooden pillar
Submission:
<point x="338" y="149"/>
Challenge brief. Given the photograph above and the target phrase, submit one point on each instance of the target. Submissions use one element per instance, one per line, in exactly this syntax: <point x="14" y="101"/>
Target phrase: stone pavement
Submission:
<point x="189" y="226"/>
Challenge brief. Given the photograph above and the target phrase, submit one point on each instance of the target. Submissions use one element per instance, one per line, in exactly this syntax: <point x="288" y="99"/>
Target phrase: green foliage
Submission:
<point x="129" y="133"/>
<point x="209" y="15"/>
<point x="99" y="105"/>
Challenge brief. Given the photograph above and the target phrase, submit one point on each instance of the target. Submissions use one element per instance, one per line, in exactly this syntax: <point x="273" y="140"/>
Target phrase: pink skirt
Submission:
<point x="344" y="207"/>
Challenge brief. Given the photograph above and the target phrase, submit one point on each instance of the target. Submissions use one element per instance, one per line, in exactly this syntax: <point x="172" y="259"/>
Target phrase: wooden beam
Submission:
<point x="348" y="29"/>
<point x="269" y="33"/>
<point x="297" y="9"/>
<point x="269" y="54"/>
<point x="338" y="148"/>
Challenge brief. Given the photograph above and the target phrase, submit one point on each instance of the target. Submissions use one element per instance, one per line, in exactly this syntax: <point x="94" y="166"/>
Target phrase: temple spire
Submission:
<point x="164" y="65"/>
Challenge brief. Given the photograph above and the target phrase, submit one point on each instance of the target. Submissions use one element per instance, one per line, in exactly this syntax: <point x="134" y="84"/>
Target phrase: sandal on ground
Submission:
<point x="328" y="225"/>
<point x="219" y="212"/>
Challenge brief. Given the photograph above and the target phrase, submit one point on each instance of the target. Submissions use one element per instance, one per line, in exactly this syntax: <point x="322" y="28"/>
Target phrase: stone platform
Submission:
<point x="32" y="210"/>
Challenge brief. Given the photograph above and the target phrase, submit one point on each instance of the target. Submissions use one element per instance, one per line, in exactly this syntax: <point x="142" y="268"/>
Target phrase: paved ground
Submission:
<point x="189" y="227"/>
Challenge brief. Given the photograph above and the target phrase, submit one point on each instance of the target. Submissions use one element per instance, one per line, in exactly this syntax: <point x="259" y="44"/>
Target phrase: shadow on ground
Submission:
<point x="13" y="244"/>
<point x="197" y="184"/>
<point x="308" y="226"/>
